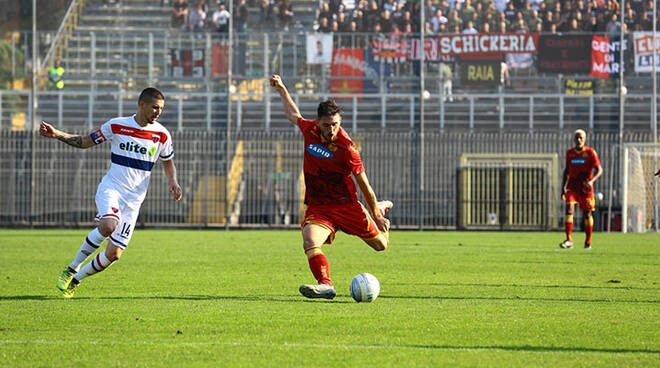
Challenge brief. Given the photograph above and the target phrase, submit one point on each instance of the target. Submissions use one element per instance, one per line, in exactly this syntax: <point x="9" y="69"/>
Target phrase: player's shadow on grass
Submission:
<point x="268" y="298"/>
<point x="31" y="297"/>
<point x="542" y="349"/>
<point x="521" y="298"/>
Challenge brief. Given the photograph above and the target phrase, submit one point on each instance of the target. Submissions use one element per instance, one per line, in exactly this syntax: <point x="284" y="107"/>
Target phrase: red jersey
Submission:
<point x="580" y="165"/>
<point x="328" y="166"/>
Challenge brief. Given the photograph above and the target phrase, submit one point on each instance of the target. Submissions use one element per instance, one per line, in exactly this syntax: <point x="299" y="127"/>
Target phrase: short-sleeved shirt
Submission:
<point x="135" y="150"/>
<point x="328" y="166"/>
<point x="580" y="165"/>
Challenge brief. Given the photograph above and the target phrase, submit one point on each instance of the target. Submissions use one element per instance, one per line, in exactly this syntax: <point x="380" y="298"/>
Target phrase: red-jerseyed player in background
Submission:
<point x="578" y="186"/>
<point x="330" y="158"/>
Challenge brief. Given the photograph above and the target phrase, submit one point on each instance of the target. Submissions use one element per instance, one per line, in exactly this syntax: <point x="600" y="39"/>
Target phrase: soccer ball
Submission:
<point x="365" y="288"/>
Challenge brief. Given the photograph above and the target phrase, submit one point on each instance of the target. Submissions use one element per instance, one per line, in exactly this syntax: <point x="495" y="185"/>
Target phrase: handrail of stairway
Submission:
<point x="68" y="23"/>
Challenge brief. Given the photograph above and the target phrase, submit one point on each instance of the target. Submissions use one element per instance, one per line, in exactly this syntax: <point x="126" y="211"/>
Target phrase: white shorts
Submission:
<point x="111" y="204"/>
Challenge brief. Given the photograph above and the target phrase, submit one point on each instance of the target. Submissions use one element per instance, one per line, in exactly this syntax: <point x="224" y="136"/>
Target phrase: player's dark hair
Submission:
<point x="150" y="94"/>
<point x="328" y="108"/>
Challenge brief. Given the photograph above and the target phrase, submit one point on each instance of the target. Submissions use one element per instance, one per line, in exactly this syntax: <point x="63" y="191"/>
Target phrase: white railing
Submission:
<point x="459" y="112"/>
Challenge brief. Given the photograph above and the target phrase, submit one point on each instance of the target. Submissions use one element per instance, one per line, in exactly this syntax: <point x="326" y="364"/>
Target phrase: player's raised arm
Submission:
<point x="78" y="141"/>
<point x="290" y="108"/>
<point x="370" y="198"/>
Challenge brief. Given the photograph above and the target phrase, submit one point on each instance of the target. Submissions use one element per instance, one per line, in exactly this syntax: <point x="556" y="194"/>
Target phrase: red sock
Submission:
<point x="319" y="266"/>
<point x="568" y="226"/>
<point x="588" y="228"/>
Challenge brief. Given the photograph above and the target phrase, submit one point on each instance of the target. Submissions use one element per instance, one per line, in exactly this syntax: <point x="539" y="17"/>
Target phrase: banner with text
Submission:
<point x="578" y="87"/>
<point x="481" y="73"/>
<point x="487" y="44"/>
<point x="566" y="54"/>
<point x="430" y="49"/>
<point x="390" y="50"/>
<point x="347" y="70"/>
<point x="644" y="48"/>
<point x="605" y="56"/>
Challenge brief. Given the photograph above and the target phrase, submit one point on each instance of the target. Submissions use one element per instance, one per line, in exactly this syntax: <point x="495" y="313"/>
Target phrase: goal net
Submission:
<point x="640" y="188"/>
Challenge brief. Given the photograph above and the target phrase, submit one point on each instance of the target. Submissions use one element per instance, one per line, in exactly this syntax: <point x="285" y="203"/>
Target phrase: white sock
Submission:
<point x="98" y="264"/>
<point x="92" y="242"/>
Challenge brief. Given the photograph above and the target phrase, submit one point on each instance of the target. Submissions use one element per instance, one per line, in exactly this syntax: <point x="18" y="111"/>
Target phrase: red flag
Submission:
<point x="600" y="57"/>
<point x="347" y="62"/>
<point x="219" y="58"/>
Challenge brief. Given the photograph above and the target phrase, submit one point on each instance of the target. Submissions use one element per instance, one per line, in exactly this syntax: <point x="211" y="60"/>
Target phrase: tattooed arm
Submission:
<point x="78" y="141"/>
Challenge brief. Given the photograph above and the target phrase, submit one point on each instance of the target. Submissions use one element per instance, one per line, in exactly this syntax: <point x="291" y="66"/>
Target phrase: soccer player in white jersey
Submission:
<point x="138" y="141"/>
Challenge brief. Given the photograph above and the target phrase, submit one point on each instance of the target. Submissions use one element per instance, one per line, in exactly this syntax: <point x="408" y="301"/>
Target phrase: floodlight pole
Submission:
<point x="230" y="56"/>
<point x="621" y="59"/>
<point x="33" y="115"/>
<point x="654" y="116"/>
<point x="621" y="101"/>
<point x="422" y="29"/>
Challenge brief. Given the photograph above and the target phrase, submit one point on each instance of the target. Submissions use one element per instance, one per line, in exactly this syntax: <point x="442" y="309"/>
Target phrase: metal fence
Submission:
<point x="47" y="183"/>
<point x="398" y="112"/>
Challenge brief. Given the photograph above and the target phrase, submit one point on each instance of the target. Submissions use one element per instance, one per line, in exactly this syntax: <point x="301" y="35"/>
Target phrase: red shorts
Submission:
<point x="586" y="202"/>
<point x="351" y="218"/>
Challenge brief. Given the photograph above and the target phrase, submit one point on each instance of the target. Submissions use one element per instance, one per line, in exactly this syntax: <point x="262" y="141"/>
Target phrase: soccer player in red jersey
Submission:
<point x="330" y="158"/>
<point x="578" y="186"/>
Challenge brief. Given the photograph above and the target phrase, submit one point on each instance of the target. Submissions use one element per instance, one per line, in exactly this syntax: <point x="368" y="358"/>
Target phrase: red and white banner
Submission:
<point x="488" y="44"/>
<point x="347" y="62"/>
<point x="187" y="62"/>
<point x="605" y="55"/>
<point x="430" y="49"/>
<point x="644" y="49"/>
<point x="391" y="51"/>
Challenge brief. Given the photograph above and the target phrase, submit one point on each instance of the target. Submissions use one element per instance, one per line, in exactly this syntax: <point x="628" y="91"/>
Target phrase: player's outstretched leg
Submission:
<point x="92" y="242"/>
<point x="100" y="263"/>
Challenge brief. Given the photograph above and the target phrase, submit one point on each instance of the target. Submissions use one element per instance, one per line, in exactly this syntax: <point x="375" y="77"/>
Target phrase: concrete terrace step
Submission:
<point x="123" y="29"/>
<point x="125" y="19"/>
<point x="128" y="9"/>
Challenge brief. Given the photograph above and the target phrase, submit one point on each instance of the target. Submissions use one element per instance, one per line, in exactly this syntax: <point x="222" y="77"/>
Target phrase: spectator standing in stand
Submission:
<point x="242" y="14"/>
<point x="220" y="19"/>
<point x="286" y="14"/>
<point x="179" y="14"/>
<point x="265" y="13"/>
<point x="197" y="19"/>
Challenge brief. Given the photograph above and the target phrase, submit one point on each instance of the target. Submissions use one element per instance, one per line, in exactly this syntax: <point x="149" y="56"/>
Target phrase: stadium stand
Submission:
<point x="108" y="52"/>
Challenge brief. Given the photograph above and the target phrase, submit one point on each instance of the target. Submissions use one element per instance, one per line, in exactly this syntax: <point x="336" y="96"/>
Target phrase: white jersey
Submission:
<point x="135" y="150"/>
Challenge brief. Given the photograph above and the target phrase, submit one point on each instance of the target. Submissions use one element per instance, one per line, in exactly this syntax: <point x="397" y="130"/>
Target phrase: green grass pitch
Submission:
<point x="185" y="298"/>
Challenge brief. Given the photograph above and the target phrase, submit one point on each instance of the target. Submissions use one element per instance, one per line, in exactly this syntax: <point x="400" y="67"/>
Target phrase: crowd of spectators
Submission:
<point x="213" y="15"/>
<point x="208" y="15"/>
<point x="484" y="16"/>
